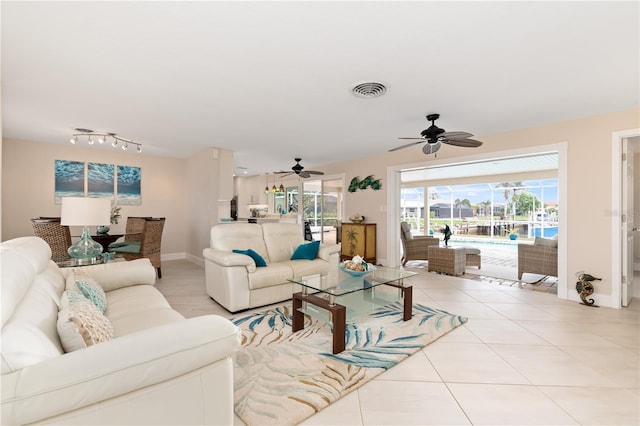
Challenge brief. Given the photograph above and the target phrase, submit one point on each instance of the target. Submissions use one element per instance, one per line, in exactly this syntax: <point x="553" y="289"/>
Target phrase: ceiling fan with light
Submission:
<point x="434" y="137"/>
<point x="299" y="170"/>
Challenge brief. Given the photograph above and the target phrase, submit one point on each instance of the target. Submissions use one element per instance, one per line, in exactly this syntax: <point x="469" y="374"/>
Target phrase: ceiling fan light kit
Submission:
<point x="103" y="137"/>
<point x="434" y="136"/>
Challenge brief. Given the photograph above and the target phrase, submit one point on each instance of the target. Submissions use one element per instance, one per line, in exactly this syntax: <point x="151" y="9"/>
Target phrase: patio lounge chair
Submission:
<point x="415" y="247"/>
<point x="540" y="258"/>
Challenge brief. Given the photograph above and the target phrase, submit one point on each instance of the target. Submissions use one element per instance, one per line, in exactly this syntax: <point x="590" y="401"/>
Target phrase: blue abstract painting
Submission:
<point x="69" y="179"/>
<point x="129" y="184"/>
<point x="100" y="180"/>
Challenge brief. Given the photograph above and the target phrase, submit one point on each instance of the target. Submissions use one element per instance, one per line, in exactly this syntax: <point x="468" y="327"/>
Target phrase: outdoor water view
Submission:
<point x="492" y="211"/>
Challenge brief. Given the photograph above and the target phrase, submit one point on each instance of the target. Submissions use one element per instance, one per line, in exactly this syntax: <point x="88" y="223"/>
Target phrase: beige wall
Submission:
<point x="208" y="198"/>
<point x="589" y="185"/>
<point x="28" y="187"/>
<point x="182" y="190"/>
<point x="185" y="191"/>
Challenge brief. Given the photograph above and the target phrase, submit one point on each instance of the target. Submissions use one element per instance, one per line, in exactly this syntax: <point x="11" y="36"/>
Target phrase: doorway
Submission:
<point x="395" y="176"/>
<point x="625" y="169"/>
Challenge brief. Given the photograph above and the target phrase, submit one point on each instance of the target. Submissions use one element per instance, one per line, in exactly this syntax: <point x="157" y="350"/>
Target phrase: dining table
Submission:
<point x="105" y="239"/>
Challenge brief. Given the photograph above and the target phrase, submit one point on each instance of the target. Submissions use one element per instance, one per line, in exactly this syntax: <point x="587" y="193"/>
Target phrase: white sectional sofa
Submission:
<point x="234" y="281"/>
<point x="158" y="368"/>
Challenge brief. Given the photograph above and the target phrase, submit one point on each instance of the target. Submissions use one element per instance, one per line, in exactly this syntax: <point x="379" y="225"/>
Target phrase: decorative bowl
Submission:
<point x="357" y="220"/>
<point x="353" y="273"/>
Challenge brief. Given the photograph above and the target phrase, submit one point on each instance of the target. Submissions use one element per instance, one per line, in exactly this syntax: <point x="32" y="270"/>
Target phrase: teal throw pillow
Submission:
<point x="307" y="251"/>
<point x="254" y="255"/>
<point x="92" y="291"/>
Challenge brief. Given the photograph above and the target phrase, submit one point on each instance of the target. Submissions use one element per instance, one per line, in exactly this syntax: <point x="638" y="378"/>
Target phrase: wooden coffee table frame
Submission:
<point x="339" y="312"/>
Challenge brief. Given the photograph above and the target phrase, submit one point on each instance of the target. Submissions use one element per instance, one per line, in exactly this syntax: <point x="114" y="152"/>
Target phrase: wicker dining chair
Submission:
<point x="134" y="228"/>
<point x="56" y="235"/>
<point x="148" y="242"/>
<point x="415" y="247"/>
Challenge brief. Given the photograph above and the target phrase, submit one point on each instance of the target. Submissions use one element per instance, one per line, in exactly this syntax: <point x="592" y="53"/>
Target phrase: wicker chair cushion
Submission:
<point x="545" y="242"/>
<point x="405" y="229"/>
<point x="125" y="247"/>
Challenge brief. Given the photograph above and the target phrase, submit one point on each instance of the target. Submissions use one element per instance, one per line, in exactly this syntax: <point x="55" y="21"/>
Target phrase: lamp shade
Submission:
<point x="83" y="211"/>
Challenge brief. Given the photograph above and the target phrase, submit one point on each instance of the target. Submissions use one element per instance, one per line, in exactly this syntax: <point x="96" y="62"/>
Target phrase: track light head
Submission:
<point x="103" y="137"/>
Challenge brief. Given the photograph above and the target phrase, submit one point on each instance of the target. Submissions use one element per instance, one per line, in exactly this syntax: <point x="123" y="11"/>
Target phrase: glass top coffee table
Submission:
<point x="325" y="291"/>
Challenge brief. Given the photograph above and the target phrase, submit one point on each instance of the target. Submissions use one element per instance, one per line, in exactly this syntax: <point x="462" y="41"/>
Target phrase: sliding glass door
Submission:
<point x="322" y="201"/>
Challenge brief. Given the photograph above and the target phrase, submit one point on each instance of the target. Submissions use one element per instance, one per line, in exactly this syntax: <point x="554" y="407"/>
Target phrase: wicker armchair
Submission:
<point x="537" y="259"/>
<point x="415" y="248"/>
<point x="146" y="241"/>
<point x="57" y="236"/>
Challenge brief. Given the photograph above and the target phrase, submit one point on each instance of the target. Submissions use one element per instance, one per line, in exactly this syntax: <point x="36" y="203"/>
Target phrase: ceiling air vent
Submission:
<point x="371" y="89"/>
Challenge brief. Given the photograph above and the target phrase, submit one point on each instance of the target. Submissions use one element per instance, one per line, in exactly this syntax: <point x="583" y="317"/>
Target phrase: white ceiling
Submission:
<point x="271" y="80"/>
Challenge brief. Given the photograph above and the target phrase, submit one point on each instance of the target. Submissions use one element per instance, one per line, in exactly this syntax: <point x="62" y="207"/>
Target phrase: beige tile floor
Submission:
<point x="524" y="357"/>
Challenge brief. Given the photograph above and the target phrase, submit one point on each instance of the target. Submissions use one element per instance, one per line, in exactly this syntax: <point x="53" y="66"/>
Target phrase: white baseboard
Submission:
<point x="173" y="256"/>
<point x="186" y="256"/>
<point x="196" y="260"/>
<point x="603" y="300"/>
<point x="179" y="256"/>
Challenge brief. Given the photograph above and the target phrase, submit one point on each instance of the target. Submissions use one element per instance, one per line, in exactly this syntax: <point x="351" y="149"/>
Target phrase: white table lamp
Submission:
<point x="85" y="212"/>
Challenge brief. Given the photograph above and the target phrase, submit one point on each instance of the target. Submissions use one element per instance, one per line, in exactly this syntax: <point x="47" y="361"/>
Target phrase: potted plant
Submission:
<point x="115" y="215"/>
<point x="513" y="234"/>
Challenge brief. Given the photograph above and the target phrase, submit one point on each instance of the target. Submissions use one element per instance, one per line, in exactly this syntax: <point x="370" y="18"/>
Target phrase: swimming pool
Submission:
<point x="496" y="245"/>
<point x="546" y="232"/>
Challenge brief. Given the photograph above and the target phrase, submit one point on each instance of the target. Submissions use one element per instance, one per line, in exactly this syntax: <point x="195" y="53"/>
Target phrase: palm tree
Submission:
<point x="461" y="203"/>
<point x="484" y="207"/>
<point x="514" y="197"/>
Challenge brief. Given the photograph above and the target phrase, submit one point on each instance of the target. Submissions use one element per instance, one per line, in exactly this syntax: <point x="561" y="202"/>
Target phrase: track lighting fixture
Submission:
<point x="103" y="137"/>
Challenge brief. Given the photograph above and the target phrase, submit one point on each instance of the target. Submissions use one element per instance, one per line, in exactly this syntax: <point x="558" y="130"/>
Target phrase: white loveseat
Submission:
<point x="234" y="281"/>
<point x="158" y="368"/>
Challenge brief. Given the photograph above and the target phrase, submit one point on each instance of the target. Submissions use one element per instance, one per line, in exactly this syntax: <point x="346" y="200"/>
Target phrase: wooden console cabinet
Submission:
<point x="358" y="239"/>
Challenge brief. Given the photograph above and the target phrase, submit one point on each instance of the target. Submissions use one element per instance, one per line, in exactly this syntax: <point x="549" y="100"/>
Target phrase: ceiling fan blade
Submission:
<point x="283" y="172"/>
<point x="304" y="174"/>
<point x="407" y="145"/>
<point x="455" y="135"/>
<point x="413" y="138"/>
<point x="467" y="143"/>
<point x="313" y="172"/>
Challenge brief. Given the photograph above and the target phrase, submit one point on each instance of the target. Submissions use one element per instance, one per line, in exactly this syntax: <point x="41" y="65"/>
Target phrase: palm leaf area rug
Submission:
<point x="281" y="377"/>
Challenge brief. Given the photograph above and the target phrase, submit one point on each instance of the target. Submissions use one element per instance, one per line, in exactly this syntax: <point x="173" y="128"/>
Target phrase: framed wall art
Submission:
<point x="69" y="179"/>
<point x="129" y="184"/>
<point x="100" y="180"/>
